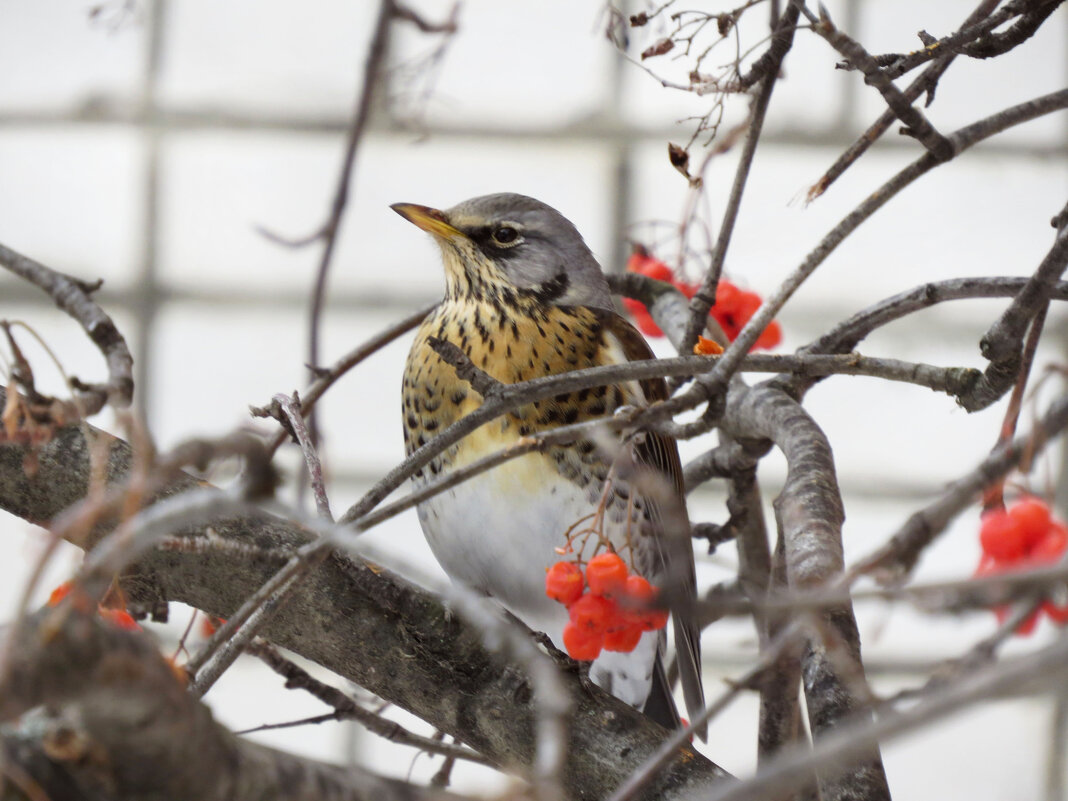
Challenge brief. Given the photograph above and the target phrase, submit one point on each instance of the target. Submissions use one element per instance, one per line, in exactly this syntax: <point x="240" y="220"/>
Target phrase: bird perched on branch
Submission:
<point x="524" y="299"/>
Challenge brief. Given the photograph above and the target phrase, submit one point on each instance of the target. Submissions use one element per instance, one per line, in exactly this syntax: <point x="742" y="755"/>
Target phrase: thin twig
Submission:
<point x="712" y="386"/>
<point x="896" y="559"/>
<point x="331" y="229"/>
<point x="917" y="124"/>
<point x="327" y="378"/>
<point x="345" y="708"/>
<point x="290" y="407"/>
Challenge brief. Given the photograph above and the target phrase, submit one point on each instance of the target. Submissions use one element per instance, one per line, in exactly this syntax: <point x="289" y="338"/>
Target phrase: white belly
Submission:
<point x="497" y="533"/>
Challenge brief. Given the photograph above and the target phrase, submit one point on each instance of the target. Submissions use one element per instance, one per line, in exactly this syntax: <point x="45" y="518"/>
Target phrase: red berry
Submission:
<point x="582" y="644"/>
<point x="639" y="590"/>
<point x="593" y="613"/>
<point x="1025" y="628"/>
<point x="563" y="582"/>
<point x="59" y="593"/>
<point x="687" y="289"/>
<point x="1058" y="614"/>
<point x="747" y="305"/>
<point x="119" y="618"/>
<point x="769" y="337"/>
<point x="641" y="262"/>
<point x="988" y="566"/>
<point x="1050" y="548"/>
<point x="726" y="297"/>
<point x="658" y="270"/>
<point x="1032" y="515"/>
<point x="623" y="639"/>
<point x="642" y="319"/>
<point x="654" y="619"/>
<point x="640" y="595"/>
<point x="1002" y="537"/>
<point x="606" y="574"/>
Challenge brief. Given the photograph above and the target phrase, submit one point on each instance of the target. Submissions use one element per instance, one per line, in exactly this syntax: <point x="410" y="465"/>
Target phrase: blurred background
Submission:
<point x="151" y="144"/>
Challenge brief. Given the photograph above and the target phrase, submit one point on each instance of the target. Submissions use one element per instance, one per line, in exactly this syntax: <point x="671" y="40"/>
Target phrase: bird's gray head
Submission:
<point x="514" y="241"/>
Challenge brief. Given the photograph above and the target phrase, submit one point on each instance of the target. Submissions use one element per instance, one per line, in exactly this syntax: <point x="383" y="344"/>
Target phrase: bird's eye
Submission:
<point x="505" y="235"/>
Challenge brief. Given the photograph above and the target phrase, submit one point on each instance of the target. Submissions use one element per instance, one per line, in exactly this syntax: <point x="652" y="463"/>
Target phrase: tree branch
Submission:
<point x="73" y="297"/>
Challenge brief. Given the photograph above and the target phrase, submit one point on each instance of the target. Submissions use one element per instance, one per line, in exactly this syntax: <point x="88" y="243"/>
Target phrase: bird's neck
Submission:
<point x="514" y="338"/>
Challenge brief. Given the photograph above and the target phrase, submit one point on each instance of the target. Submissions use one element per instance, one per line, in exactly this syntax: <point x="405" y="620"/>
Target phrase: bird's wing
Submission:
<point x="674" y="549"/>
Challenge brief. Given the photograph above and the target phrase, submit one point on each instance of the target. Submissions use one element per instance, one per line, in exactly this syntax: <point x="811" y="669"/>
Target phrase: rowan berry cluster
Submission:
<point x="732" y="309"/>
<point x="609" y="607"/>
<point x="1023" y="536"/>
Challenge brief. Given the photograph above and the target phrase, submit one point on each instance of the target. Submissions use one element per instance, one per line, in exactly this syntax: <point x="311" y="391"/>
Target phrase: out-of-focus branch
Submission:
<point x="75" y="298"/>
<point x="1034" y="672"/>
<point x="372" y="68"/>
<point x="117" y="723"/>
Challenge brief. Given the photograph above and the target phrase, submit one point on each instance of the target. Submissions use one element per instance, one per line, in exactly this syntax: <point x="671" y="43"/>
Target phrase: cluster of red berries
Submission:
<point x="119" y="618"/>
<point x="732" y="309"/>
<point x="609" y="607"/>
<point x="1023" y="536"/>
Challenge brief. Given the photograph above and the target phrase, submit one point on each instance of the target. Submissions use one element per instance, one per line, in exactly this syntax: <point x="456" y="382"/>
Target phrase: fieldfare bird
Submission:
<point x="525" y="298"/>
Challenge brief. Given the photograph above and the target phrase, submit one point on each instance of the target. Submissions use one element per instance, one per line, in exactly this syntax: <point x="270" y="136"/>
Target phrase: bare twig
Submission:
<point x="1003" y="342"/>
<point x="347" y="709"/>
<point x="329" y="234"/>
<point x="1042" y="669"/>
<point x="290" y="411"/>
<point x="74" y="298"/>
<point x="350" y="360"/>
<point x="917" y="124"/>
<point x="926" y="82"/>
<point x="711" y="386"/>
<point x="895" y="560"/>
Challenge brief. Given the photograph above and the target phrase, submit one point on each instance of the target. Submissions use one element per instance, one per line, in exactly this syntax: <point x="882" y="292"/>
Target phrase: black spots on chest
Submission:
<point x="584" y="404"/>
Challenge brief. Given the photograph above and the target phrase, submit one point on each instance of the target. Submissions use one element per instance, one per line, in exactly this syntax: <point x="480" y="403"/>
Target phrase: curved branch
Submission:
<point x="74" y="298"/>
<point x="810" y="515"/>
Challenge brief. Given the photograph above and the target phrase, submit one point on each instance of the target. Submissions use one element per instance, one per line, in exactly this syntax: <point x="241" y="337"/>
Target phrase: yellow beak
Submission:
<point x="430" y="220"/>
